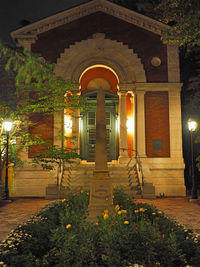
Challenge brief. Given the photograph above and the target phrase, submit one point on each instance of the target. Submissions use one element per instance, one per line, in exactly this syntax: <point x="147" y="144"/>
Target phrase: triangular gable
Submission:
<point x="31" y="31"/>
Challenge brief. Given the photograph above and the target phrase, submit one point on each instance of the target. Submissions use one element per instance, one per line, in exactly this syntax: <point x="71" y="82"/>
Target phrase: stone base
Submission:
<point x="123" y="160"/>
<point x="101" y="195"/>
<point x="148" y="191"/>
<point x="53" y="192"/>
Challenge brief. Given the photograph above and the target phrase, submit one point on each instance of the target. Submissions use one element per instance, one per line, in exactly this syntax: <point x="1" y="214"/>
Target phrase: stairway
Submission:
<point x="76" y="177"/>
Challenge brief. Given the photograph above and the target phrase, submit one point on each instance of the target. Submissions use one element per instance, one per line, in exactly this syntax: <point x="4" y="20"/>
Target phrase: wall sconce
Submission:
<point x="67" y="123"/>
<point x="130" y="125"/>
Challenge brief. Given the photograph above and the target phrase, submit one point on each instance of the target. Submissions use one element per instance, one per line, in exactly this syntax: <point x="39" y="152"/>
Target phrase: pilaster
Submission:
<point x="75" y="122"/>
<point x="175" y="124"/>
<point x="141" y="140"/>
<point x="173" y="63"/>
<point x="58" y="127"/>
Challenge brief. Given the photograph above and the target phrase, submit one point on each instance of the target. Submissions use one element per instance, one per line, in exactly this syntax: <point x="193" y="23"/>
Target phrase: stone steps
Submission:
<point x="79" y="177"/>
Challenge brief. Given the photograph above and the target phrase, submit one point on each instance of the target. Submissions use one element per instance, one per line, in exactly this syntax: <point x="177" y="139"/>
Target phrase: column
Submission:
<point x="75" y="122"/>
<point x="100" y="154"/>
<point x="175" y="124"/>
<point x="75" y="131"/>
<point x="132" y="99"/>
<point x="58" y="127"/>
<point x="123" y="155"/>
<point x="141" y="141"/>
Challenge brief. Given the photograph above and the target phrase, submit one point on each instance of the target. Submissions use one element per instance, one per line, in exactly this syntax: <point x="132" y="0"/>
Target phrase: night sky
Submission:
<point x="13" y="11"/>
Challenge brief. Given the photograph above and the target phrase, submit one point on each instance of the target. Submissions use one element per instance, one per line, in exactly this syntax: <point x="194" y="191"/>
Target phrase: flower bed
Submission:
<point x="134" y="235"/>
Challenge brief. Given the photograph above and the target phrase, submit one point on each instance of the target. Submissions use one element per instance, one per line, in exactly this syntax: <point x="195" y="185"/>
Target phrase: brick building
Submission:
<point x="102" y="45"/>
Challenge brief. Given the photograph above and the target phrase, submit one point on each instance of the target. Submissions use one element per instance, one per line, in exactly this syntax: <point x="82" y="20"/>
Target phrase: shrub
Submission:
<point x="135" y="233"/>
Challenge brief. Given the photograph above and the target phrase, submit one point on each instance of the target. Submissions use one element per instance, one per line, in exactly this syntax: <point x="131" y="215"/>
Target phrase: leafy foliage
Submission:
<point x="183" y="17"/>
<point x="29" y="86"/>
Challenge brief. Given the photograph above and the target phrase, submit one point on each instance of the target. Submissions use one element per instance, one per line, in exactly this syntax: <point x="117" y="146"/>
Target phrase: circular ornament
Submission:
<point x="156" y="61"/>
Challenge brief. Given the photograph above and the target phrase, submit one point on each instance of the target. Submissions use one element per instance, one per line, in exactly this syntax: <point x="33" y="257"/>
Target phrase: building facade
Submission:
<point x="102" y="45"/>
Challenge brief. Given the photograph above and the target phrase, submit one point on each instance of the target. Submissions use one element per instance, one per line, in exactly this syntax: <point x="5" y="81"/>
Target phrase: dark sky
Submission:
<point x="13" y="11"/>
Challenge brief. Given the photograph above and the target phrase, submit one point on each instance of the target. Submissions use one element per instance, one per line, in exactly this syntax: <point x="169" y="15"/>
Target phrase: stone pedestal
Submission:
<point x="101" y="195"/>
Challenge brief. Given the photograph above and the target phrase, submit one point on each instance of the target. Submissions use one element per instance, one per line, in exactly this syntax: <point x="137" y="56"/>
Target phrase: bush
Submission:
<point x="135" y="233"/>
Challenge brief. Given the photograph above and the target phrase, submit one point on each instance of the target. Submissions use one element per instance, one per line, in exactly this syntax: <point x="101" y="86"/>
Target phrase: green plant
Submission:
<point x="135" y="233"/>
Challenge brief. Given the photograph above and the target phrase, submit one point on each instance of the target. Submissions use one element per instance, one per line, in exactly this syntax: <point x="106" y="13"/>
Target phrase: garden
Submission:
<point x="135" y="234"/>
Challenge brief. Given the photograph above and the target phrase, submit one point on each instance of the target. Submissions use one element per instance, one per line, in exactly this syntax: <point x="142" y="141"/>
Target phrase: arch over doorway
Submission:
<point x="99" y="50"/>
<point x="91" y="81"/>
<point x="116" y="58"/>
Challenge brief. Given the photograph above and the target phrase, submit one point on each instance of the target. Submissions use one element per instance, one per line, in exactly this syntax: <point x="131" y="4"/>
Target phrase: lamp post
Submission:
<point x="7" y="125"/>
<point x="192" y="125"/>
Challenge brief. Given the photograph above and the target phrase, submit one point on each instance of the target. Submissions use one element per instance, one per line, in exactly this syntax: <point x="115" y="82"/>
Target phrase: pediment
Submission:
<point x="30" y="32"/>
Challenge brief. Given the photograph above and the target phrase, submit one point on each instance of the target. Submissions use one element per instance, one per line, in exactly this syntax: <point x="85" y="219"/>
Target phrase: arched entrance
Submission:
<point x="91" y="81"/>
<point x="79" y="60"/>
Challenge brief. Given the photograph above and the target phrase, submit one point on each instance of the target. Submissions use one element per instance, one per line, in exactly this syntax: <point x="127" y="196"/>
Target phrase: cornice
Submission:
<point x="158" y="86"/>
<point x="51" y="22"/>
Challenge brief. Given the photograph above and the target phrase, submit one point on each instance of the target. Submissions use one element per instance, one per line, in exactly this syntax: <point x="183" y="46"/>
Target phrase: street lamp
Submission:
<point x="7" y="125"/>
<point x="192" y="125"/>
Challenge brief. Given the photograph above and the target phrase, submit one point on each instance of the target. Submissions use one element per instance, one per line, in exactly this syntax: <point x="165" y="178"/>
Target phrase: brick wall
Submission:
<point x="157" y="124"/>
<point x="146" y="44"/>
<point x="41" y="125"/>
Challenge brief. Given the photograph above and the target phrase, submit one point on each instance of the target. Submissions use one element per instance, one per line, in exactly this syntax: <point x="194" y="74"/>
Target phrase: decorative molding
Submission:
<point x="156" y="61"/>
<point x="127" y="87"/>
<point x="158" y="86"/>
<point x="86" y="9"/>
<point x="27" y="41"/>
<point x="100" y="51"/>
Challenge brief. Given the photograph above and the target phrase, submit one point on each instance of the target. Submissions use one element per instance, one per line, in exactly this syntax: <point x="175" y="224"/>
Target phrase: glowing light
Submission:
<point x="130" y="125"/>
<point x="192" y="125"/>
<point x="7" y="125"/>
<point x="67" y="123"/>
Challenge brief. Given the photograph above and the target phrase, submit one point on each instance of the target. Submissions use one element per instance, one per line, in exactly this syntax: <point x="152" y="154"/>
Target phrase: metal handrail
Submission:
<point x="138" y="164"/>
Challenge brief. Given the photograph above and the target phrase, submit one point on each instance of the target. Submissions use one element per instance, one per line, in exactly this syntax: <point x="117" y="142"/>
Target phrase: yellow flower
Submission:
<point x="142" y="209"/>
<point x="68" y="226"/>
<point x="64" y="199"/>
<point x="153" y="213"/>
<point x="105" y="216"/>
<point x="106" y="199"/>
<point x="126" y="222"/>
<point x="105" y="211"/>
<point x="136" y="211"/>
<point x="124" y="211"/>
<point x="159" y="212"/>
<point x="97" y="223"/>
<point x="117" y="207"/>
<point x="119" y="212"/>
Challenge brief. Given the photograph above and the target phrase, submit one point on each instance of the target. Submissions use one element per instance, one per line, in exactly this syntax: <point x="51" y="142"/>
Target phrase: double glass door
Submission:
<point x="88" y="129"/>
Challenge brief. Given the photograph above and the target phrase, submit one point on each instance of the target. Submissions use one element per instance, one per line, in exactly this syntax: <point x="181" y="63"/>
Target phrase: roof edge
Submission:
<point x="32" y="30"/>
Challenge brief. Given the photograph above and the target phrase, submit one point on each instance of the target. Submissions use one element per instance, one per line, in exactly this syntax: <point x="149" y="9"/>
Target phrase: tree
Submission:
<point x="29" y="86"/>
